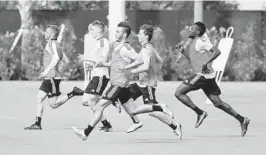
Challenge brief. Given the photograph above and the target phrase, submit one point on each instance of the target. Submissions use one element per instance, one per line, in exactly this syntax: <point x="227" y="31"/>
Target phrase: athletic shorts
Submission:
<point x="147" y="93"/>
<point x="51" y="87"/>
<point x="209" y="86"/>
<point x="97" y="85"/>
<point x="115" y="93"/>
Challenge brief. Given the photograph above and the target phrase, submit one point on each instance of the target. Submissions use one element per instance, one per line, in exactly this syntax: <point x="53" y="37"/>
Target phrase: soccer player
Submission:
<point x="99" y="47"/>
<point x="148" y="82"/>
<point x="53" y="60"/>
<point x="100" y="75"/>
<point x="122" y="54"/>
<point x="201" y="55"/>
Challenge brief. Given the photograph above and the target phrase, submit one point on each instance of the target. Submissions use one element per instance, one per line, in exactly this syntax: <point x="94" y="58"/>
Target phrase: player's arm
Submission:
<point x="216" y="52"/>
<point x="182" y="47"/>
<point x="146" y="57"/>
<point x="55" y="57"/>
<point x="207" y="45"/>
<point x="137" y="59"/>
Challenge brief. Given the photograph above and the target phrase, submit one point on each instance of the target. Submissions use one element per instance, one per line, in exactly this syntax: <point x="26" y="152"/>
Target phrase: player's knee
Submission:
<point x="178" y="94"/>
<point x="98" y="108"/>
<point x="87" y="100"/>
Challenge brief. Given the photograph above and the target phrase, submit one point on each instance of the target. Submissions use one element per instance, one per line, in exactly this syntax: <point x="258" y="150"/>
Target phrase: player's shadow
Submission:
<point x="222" y="136"/>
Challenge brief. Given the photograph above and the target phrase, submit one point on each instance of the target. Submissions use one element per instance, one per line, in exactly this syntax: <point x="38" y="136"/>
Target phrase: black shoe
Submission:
<point x="106" y="128"/>
<point x="200" y="119"/>
<point x="244" y="126"/>
<point x="33" y="127"/>
<point x="77" y="91"/>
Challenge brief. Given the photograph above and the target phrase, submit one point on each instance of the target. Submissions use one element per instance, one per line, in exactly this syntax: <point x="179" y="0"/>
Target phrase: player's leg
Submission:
<point x="127" y="98"/>
<point x="110" y="96"/>
<point x="92" y="93"/>
<point x="148" y="96"/>
<point x="90" y="100"/>
<point x="193" y="83"/>
<point x="42" y="94"/>
<point x="213" y="91"/>
<point x="168" y="120"/>
<point x="55" y="100"/>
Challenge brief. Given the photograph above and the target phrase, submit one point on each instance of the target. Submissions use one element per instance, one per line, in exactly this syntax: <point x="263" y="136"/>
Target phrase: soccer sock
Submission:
<point x="173" y="126"/>
<point x="229" y="110"/>
<point x="240" y="118"/>
<point x="134" y="120"/>
<point x="156" y="108"/>
<point x="106" y="123"/>
<point x="38" y="120"/>
<point x="198" y="110"/>
<point x="70" y="95"/>
<point x="88" y="130"/>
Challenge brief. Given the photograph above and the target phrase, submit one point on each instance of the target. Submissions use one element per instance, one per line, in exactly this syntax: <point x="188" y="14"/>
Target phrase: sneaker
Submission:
<point x="77" y="91"/>
<point x="33" y="127"/>
<point x="167" y="110"/>
<point x="178" y="132"/>
<point x="134" y="127"/>
<point x="106" y="129"/>
<point x="200" y="119"/>
<point x="80" y="133"/>
<point x="244" y="126"/>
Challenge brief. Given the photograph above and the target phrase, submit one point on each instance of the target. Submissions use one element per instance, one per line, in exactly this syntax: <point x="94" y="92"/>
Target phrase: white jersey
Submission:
<point x="98" y="51"/>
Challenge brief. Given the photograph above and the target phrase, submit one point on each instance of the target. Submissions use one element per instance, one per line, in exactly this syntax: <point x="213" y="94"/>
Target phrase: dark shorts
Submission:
<point x="97" y="85"/>
<point x="147" y="93"/>
<point x="51" y="87"/>
<point x="209" y="86"/>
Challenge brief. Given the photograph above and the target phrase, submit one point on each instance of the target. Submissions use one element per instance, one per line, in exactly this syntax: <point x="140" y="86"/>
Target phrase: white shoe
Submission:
<point x="80" y="133"/>
<point x="167" y="110"/>
<point x="134" y="127"/>
<point x="178" y="132"/>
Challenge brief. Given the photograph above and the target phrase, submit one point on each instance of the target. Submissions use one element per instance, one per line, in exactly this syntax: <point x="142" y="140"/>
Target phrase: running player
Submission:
<point x="122" y="54"/>
<point x="148" y="82"/>
<point x="100" y="75"/>
<point x="99" y="47"/>
<point x="52" y="61"/>
<point x="201" y="55"/>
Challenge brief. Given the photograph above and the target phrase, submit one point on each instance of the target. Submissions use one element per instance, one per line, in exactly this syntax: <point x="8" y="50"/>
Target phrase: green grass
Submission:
<point x="218" y="135"/>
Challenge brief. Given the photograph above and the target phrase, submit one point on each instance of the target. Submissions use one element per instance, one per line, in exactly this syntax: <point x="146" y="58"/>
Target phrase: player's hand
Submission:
<point x="81" y="57"/>
<point x="205" y="68"/>
<point x="180" y="46"/>
<point x="99" y="64"/>
<point x="43" y="74"/>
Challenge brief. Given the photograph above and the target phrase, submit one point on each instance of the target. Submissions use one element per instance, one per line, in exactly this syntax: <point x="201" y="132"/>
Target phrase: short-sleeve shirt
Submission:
<point x="200" y="54"/>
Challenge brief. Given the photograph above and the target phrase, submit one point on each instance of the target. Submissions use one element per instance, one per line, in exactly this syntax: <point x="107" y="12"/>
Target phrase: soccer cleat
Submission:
<point x="77" y="91"/>
<point x="200" y="119"/>
<point x="178" y="132"/>
<point x="166" y="110"/>
<point x="33" y="127"/>
<point x="244" y="126"/>
<point x="106" y="129"/>
<point x="134" y="127"/>
<point x="80" y="133"/>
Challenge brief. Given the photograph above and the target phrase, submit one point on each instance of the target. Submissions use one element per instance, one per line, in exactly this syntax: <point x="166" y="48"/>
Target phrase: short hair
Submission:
<point x="202" y="28"/>
<point x="126" y="27"/>
<point x="98" y="24"/>
<point x="55" y="29"/>
<point x="148" y="30"/>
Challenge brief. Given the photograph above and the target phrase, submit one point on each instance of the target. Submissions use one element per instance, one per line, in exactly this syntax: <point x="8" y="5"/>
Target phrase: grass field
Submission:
<point x="218" y="135"/>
